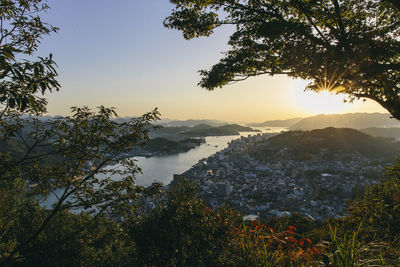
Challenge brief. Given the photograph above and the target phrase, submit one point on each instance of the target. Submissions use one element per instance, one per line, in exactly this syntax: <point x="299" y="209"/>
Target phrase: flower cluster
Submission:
<point x="261" y="245"/>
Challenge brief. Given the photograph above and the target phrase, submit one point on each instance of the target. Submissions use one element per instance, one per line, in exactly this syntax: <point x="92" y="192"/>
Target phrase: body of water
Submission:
<point x="162" y="168"/>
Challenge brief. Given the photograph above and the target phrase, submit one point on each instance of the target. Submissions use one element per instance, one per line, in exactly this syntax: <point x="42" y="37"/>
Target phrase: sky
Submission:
<point x="118" y="54"/>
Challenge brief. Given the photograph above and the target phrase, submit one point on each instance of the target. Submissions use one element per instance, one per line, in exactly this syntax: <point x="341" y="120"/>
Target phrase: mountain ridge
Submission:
<point x="302" y="144"/>
<point x="347" y="120"/>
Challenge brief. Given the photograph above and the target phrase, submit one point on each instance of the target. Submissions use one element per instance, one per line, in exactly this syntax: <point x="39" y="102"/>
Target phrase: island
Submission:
<point x="161" y="147"/>
<point x="201" y="130"/>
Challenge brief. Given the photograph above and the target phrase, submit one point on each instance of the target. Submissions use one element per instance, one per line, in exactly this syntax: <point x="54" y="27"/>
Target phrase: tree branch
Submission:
<point x="246" y="76"/>
<point x="312" y="22"/>
<point x="395" y="3"/>
<point x="341" y="25"/>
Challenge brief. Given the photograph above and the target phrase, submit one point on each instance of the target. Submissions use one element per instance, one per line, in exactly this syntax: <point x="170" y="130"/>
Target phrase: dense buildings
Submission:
<point x="316" y="185"/>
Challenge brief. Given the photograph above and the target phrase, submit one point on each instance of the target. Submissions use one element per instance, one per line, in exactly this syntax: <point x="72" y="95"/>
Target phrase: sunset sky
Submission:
<point x="117" y="53"/>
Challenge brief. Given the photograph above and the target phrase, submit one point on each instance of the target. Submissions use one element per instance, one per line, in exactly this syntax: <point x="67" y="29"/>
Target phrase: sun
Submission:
<point x="319" y="102"/>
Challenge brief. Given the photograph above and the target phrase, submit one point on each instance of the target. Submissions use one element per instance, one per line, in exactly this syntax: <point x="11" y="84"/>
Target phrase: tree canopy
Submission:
<point x="342" y="46"/>
<point x="99" y="215"/>
<point x="62" y="157"/>
<point x="21" y="75"/>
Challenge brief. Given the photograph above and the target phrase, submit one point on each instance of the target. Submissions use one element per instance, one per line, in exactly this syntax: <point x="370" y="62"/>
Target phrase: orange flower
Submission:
<point x="208" y="209"/>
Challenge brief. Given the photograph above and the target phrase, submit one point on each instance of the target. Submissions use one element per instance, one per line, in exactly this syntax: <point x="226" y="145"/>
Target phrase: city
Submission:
<point x="317" y="188"/>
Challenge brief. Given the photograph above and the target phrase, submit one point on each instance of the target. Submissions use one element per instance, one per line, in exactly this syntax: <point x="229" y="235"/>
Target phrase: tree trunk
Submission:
<point x="393" y="106"/>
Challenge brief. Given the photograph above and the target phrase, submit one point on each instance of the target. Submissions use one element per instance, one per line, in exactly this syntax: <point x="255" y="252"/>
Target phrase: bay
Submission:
<point x="162" y="168"/>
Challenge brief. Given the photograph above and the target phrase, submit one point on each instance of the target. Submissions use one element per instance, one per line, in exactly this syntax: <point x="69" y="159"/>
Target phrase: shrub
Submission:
<point x="183" y="231"/>
<point x="262" y="246"/>
<point x="379" y="208"/>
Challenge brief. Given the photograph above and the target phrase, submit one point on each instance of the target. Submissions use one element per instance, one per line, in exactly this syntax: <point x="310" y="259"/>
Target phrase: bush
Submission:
<point x="379" y="208"/>
<point x="262" y="246"/>
<point x="183" y="231"/>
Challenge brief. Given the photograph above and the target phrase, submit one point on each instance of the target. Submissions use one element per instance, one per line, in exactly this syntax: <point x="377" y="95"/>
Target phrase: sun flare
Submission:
<point x="320" y="102"/>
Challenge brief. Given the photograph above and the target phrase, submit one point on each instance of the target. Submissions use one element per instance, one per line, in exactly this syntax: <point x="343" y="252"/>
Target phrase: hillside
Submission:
<point x="18" y="150"/>
<point x="276" y="123"/>
<point x="383" y="132"/>
<point x="300" y="145"/>
<point x="170" y="146"/>
<point x="350" y="120"/>
<point x="202" y="130"/>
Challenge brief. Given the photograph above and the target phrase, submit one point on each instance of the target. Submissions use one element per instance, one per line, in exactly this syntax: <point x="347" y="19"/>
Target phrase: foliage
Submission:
<point x="22" y="77"/>
<point x="97" y="220"/>
<point x="183" y="231"/>
<point x="303" y="224"/>
<point x="351" y="250"/>
<point x="368" y="236"/>
<point x="301" y="145"/>
<point x="80" y="239"/>
<point x="87" y="141"/>
<point x="262" y="246"/>
<point x="69" y="240"/>
<point x="344" y="46"/>
<point x="165" y="145"/>
<point x="379" y="207"/>
<point x="65" y="157"/>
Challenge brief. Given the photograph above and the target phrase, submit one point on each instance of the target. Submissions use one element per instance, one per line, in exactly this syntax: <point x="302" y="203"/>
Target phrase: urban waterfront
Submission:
<point x="162" y="168"/>
<point x="316" y="185"/>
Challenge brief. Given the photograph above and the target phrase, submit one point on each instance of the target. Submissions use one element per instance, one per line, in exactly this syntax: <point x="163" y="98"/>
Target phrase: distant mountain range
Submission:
<point x="190" y="123"/>
<point x="162" y="122"/>
<point x="180" y="123"/>
<point x="349" y="120"/>
<point x="276" y="123"/>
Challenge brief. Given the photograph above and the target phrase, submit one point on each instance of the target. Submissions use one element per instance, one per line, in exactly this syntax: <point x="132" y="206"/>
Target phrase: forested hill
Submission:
<point x="305" y="144"/>
<point x="202" y="130"/>
<point x="383" y="132"/>
<point x="205" y="130"/>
